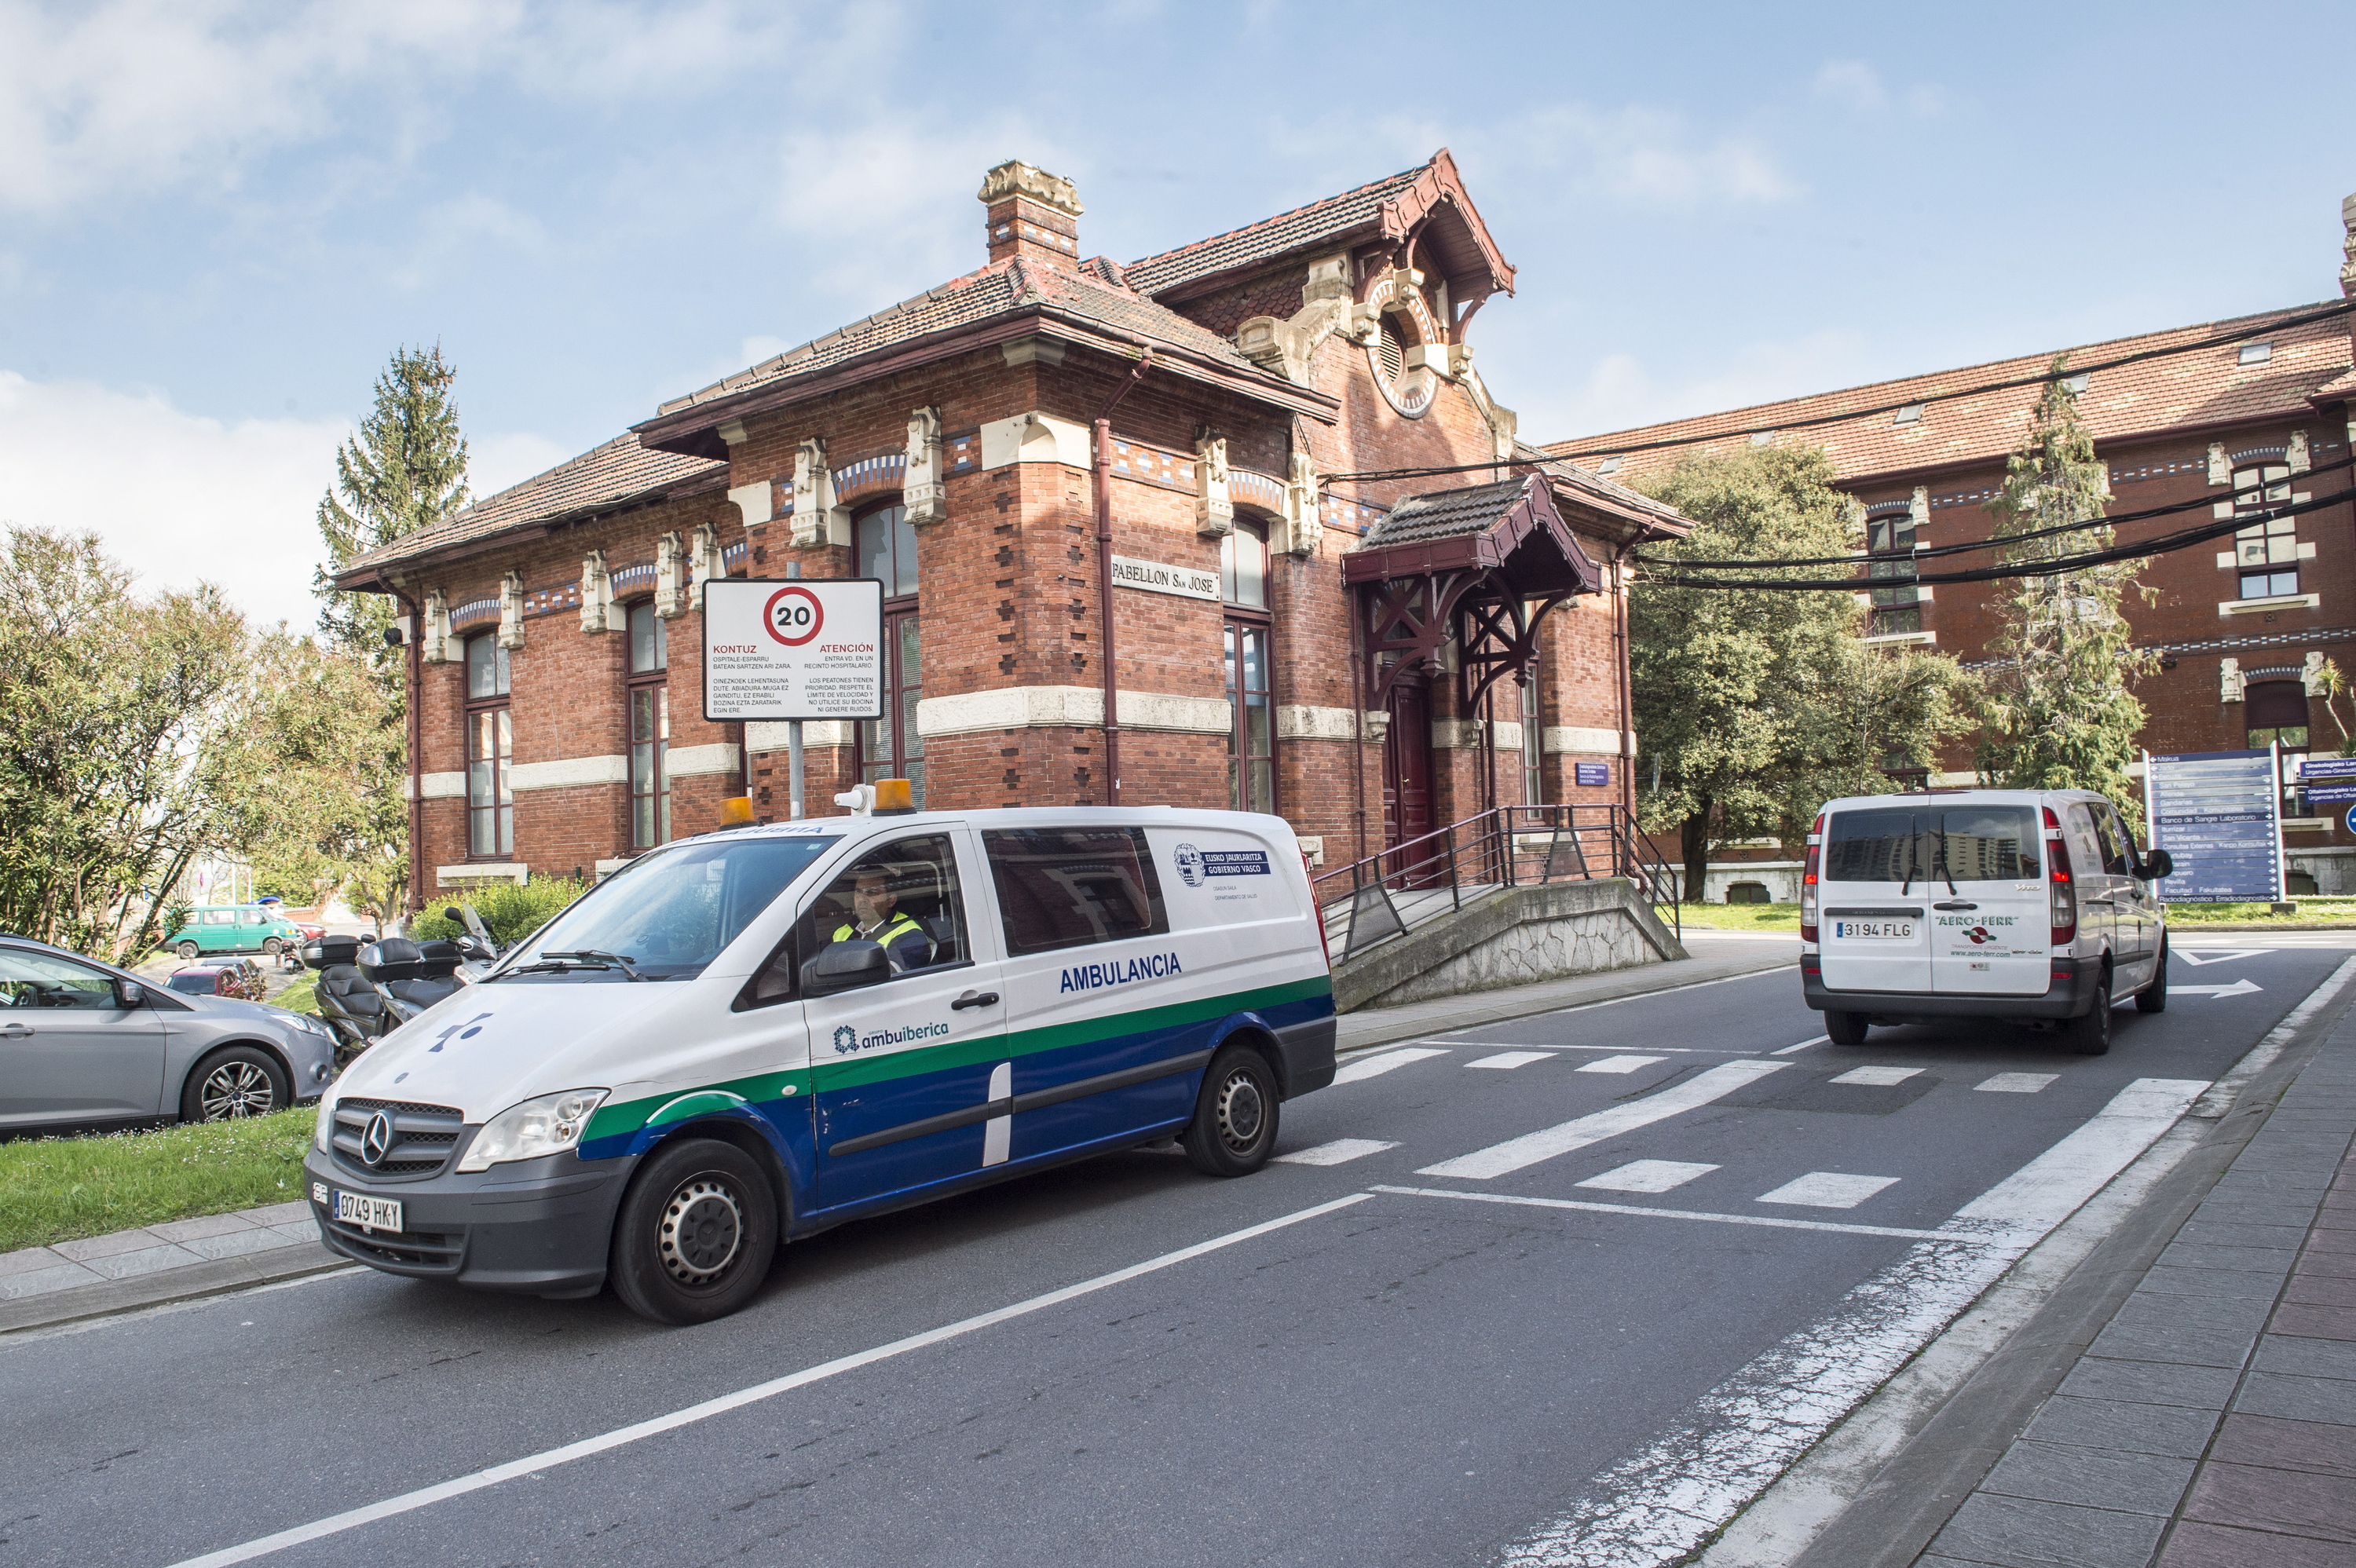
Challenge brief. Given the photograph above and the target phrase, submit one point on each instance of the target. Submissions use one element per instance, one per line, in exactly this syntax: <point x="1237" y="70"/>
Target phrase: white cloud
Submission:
<point x="1638" y="156"/>
<point x="459" y="230"/>
<point x="1853" y="82"/>
<point x="495" y="462"/>
<point x="177" y="497"/>
<point x="1620" y="390"/>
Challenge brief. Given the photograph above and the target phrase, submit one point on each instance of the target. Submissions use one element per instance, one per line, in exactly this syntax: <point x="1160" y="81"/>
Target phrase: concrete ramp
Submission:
<point x="1509" y="936"/>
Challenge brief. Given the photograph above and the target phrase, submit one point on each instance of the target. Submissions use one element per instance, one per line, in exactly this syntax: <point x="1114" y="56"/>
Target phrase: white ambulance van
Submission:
<point x="752" y="1035"/>
<point x="2014" y="904"/>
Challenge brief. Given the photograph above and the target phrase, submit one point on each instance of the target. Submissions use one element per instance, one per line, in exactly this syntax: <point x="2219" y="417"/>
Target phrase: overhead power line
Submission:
<point x="2057" y="566"/>
<point x="2218" y="340"/>
<point x="1995" y="541"/>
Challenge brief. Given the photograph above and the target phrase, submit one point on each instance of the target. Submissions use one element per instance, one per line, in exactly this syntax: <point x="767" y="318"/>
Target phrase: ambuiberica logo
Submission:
<point x="1097" y="976"/>
<point x="848" y="1040"/>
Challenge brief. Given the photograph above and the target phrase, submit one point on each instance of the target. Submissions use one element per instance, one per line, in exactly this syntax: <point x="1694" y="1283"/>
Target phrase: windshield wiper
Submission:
<point x="1939" y="865"/>
<point x="582" y="958"/>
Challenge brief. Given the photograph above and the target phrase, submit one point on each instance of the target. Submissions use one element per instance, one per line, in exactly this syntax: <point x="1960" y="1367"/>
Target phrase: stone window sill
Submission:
<point x="2268" y="606"/>
<point x="1923" y="639"/>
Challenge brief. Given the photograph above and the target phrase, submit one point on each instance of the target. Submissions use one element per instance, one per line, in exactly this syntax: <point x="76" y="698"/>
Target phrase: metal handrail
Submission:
<point x="1506" y="845"/>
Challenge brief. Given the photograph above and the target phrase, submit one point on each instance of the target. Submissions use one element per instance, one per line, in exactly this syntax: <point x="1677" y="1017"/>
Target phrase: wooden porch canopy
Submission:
<point x="1479" y="555"/>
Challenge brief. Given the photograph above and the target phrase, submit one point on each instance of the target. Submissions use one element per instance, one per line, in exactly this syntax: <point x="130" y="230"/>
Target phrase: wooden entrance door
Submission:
<point x="1407" y="764"/>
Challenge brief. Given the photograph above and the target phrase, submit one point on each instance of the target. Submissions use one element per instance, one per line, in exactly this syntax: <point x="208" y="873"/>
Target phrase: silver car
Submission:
<point x="84" y="1043"/>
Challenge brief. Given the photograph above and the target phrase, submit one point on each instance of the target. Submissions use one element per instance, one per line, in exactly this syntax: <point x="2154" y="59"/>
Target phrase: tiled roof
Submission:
<point x="1444" y="514"/>
<point x="1605" y="491"/>
<point x="1287" y="231"/>
<point x="2204" y="387"/>
<point x="610" y="475"/>
<point x="997" y="288"/>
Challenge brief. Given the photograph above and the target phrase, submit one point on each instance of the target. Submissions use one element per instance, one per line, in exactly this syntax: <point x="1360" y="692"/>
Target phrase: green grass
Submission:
<point x="299" y="997"/>
<point x="1741" y="917"/>
<point x="2311" y="912"/>
<point x="57" y="1190"/>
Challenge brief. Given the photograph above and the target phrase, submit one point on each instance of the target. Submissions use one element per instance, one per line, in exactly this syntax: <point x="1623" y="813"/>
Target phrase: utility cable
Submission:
<point x="2056" y="567"/>
<point x="1993" y="541"/>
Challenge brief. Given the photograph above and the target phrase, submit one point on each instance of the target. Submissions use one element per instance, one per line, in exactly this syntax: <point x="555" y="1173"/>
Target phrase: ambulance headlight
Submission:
<point x="550" y="1124"/>
<point x="326" y="1133"/>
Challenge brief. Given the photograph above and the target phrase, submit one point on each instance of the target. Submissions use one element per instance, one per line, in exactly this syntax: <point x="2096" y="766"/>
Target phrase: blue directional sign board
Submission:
<point x="2330" y="781"/>
<point x="2219" y="817"/>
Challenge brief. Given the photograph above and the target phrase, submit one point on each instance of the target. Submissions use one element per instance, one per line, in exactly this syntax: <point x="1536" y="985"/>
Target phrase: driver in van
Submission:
<point x="876" y="917"/>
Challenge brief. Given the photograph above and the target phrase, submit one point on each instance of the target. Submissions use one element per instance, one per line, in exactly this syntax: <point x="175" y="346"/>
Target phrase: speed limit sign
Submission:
<point x="808" y="649"/>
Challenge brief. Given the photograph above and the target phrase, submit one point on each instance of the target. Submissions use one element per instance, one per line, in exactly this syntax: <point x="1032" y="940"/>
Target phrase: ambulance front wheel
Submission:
<point x="1234" y="1130"/>
<point x="696" y="1234"/>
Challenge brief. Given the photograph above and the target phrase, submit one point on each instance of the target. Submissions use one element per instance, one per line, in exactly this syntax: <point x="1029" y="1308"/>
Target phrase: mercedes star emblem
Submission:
<point x="376" y="1138"/>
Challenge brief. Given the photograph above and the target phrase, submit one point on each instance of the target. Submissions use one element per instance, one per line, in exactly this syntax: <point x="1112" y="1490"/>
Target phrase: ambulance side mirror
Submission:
<point x="2157" y="865"/>
<point x="845" y="966"/>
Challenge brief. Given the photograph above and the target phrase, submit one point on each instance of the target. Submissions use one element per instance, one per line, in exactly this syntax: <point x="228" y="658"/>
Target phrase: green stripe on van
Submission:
<point x="628" y="1116"/>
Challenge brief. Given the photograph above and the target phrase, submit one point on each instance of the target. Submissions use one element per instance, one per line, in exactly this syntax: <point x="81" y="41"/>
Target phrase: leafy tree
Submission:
<point x="1755" y="706"/>
<point x="2058" y="713"/>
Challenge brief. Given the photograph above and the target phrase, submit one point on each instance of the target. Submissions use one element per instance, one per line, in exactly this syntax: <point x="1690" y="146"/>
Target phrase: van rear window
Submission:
<point x="1931" y="843"/>
<point x="1066" y="887"/>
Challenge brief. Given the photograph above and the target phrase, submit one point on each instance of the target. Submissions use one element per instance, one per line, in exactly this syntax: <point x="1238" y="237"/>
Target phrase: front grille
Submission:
<point x="419" y="1250"/>
<point x="423" y="1137"/>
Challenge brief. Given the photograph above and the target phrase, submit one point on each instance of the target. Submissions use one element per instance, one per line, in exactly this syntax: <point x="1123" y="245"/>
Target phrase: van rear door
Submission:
<point x="1989" y="910"/>
<point x="1872" y="933"/>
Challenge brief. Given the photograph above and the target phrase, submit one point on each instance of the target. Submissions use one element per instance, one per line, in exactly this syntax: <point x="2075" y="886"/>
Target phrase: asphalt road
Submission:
<point x="1401" y="1369"/>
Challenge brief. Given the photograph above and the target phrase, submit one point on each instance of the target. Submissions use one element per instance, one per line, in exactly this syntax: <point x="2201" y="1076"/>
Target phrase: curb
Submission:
<point x="218" y="1276"/>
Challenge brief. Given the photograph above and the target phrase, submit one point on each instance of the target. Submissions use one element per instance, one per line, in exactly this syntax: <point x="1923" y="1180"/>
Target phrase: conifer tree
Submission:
<point x="2059" y="713"/>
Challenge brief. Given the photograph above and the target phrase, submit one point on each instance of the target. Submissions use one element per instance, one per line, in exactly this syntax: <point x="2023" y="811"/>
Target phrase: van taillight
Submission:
<point x="2065" y="890"/>
<point x="1808" y="880"/>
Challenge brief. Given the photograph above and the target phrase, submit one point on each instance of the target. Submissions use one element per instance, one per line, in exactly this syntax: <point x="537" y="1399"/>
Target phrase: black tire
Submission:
<point x="232" y="1084"/>
<point x="187" y="952"/>
<point x="270" y="947"/>
<point x="2089" y="1034"/>
<point x="1845" y="1028"/>
<point x="1236" y="1114"/>
<point x="2153" y="999"/>
<point x="696" y="1235"/>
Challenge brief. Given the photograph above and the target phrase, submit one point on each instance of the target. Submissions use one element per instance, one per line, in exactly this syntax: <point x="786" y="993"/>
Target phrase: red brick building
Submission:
<point x="2254" y="408"/>
<point x="1370" y="659"/>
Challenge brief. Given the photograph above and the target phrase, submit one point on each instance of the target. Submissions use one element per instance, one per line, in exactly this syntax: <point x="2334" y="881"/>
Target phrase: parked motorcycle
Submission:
<point x="349" y="1003"/>
<point x="412" y="975"/>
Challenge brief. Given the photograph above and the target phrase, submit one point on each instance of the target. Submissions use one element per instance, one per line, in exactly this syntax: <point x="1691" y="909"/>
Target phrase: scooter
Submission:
<point x="349" y="1003"/>
<point x="411" y="977"/>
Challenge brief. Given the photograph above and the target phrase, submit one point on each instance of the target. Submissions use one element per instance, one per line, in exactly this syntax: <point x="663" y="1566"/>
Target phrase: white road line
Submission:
<point x="1657" y="1505"/>
<point x="1779" y="971"/>
<point x="1518" y="1044"/>
<point x="2238" y="988"/>
<point x="1819" y="1039"/>
<point x="1621" y="1064"/>
<point x="2016" y="1082"/>
<point x="1764" y="1222"/>
<point x="1647" y="1175"/>
<point x="1341" y="1151"/>
<point x="1500" y="1159"/>
<point x="1511" y="1059"/>
<point x="1375" y="1066"/>
<point x="2227" y="956"/>
<point x="1827" y="1190"/>
<point x="550" y="1458"/>
<point x="1877" y="1077"/>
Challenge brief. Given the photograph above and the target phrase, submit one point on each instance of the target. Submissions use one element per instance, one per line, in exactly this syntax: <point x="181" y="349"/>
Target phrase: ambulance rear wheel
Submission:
<point x="1845" y="1028"/>
<point x="1234" y="1130"/>
<point x="696" y="1234"/>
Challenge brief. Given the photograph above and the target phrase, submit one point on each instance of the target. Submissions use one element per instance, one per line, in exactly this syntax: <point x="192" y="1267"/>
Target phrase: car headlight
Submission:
<point x="550" y="1124"/>
<point x="326" y="1133"/>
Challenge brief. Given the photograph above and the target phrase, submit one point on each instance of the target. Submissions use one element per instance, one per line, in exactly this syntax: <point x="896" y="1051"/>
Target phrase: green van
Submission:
<point x="233" y="928"/>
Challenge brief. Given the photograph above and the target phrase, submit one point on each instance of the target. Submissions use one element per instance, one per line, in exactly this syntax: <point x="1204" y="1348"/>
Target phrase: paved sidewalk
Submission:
<point x="2213" y="1423"/>
<point x="129" y="1269"/>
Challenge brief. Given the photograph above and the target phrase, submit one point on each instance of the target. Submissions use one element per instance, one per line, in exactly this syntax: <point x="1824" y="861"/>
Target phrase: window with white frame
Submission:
<point x="2265" y="551"/>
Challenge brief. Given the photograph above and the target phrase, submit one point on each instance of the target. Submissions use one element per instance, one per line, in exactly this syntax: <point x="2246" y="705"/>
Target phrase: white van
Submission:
<point x="752" y="1035"/>
<point x="2020" y="904"/>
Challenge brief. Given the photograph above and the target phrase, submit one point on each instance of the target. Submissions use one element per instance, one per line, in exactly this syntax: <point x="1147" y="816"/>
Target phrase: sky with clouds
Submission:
<point x="217" y="219"/>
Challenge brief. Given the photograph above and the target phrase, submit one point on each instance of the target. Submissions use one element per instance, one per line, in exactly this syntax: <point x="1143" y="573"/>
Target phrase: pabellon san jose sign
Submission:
<point x="808" y="649"/>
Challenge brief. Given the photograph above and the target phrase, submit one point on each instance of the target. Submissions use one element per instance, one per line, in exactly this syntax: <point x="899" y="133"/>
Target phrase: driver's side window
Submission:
<point x="38" y="980"/>
<point x="902" y="898"/>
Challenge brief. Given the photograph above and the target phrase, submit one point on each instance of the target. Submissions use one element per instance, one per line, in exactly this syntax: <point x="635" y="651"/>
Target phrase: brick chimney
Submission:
<point x="1033" y="214"/>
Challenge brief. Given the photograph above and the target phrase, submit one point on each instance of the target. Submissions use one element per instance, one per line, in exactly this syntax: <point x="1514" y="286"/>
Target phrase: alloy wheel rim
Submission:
<point x="235" y="1089"/>
<point x="701" y="1231"/>
<point x="1243" y="1111"/>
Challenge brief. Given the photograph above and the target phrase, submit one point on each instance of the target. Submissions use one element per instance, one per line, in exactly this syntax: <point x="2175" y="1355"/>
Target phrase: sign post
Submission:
<point x="798" y="649"/>
<point x="2219" y="817"/>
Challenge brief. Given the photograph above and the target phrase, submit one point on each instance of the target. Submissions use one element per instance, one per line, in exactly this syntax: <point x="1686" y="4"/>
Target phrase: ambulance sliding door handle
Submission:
<point x="974" y="999"/>
<point x="15" y="1030"/>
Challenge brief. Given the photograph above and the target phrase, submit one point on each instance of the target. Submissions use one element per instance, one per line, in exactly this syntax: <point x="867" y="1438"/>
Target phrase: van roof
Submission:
<point x="1960" y="797"/>
<point x="1018" y="816"/>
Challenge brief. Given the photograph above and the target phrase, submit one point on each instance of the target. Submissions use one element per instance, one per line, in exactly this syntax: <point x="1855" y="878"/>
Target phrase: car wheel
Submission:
<point x="1235" y="1115"/>
<point x="270" y="947"/>
<point x="2089" y="1034"/>
<point x="243" y="1080"/>
<point x="1845" y="1028"/>
<point x="2153" y="999"/>
<point x="187" y="952"/>
<point x="696" y="1234"/>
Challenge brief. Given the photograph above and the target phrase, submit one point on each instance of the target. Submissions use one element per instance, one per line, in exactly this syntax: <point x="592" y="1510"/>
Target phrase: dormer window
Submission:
<point x="2257" y="353"/>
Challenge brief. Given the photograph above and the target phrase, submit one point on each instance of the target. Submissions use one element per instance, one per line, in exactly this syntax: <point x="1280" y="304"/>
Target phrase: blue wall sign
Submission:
<point x="2329" y="780"/>
<point x="2219" y="817"/>
<point x="1598" y="775"/>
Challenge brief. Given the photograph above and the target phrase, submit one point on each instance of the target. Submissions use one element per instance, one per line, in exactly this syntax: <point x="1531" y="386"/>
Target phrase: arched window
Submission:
<point x="649" y="709"/>
<point x="2275" y="714"/>
<point x="490" y="751"/>
<point x="1251" y="739"/>
<point x="883" y="546"/>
